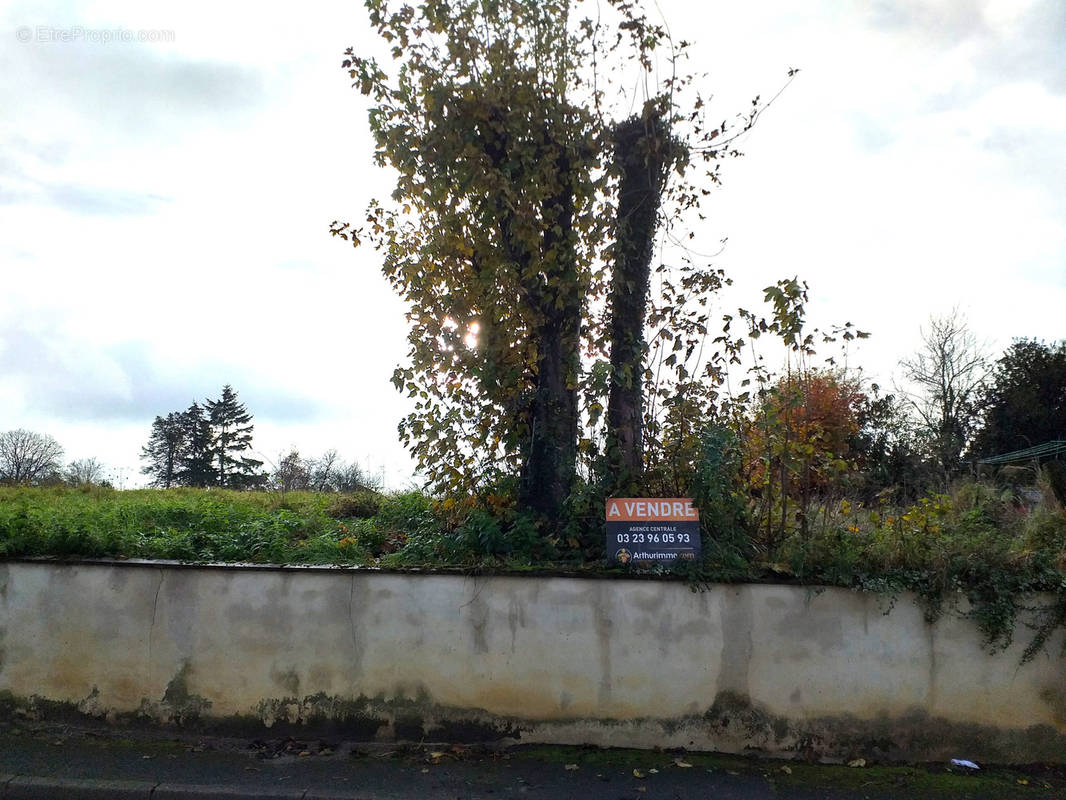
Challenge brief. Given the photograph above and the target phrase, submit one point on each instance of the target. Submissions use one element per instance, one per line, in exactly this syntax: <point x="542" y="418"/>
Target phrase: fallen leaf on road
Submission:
<point x="571" y="767"/>
<point x="638" y="774"/>
<point x="787" y="770"/>
<point x="858" y="762"/>
<point x="679" y="763"/>
<point x="653" y="771"/>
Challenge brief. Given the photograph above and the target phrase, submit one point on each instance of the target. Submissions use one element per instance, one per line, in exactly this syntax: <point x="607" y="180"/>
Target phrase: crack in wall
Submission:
<point x="604" y="627"/>
<point x="151" y="626"/>
<point x="931" y="696"/>
<point x="355" y="670"/>
<point x="351" y="614"/>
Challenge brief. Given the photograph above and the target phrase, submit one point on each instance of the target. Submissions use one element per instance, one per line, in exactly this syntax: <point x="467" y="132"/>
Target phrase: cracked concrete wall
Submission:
<point x="780" y="669"/>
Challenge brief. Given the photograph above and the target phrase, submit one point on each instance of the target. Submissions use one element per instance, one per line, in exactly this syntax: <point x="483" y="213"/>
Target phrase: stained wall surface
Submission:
<point x="777" y="669"/>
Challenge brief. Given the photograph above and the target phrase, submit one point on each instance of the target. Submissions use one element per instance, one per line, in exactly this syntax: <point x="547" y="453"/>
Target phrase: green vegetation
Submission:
<point x="977" y="541"/>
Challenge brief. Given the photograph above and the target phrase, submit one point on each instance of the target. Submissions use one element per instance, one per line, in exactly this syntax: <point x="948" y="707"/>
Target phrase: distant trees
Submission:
<point x="27" y="457"/>
<point x="85" y="471"/>
<point x="291" y="474"/>
<point x="948" y="377"/>
<point x="205" y="445"/>
<point x="209" y="444"/>
<point x="327" y="473"/>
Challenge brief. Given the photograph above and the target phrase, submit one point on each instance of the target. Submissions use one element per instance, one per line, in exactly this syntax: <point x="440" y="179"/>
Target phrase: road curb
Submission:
<point x="193" y="791"/>
<point x="27" y="787"/>
<point x="24" y="787"/>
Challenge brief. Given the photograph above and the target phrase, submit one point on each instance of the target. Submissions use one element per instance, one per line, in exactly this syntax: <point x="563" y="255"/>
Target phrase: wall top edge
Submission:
<point x="144" y="563"/>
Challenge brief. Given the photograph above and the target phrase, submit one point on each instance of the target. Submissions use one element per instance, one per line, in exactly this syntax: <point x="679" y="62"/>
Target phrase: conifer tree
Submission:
<point x="197" y="463"/>
<point x="231" y="427"/>
<point x="165" y="450"/>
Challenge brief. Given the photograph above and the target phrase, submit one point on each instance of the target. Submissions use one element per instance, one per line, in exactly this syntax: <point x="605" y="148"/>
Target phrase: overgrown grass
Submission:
<point x="183" y="524"/>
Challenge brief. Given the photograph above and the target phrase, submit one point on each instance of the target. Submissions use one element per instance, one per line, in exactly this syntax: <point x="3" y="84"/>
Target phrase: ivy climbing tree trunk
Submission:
<point x="548" y="471"/>
<point x="642" y="156"/>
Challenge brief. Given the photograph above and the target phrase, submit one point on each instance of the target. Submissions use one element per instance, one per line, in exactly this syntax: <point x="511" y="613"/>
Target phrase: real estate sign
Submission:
<point x="652" y="529"/>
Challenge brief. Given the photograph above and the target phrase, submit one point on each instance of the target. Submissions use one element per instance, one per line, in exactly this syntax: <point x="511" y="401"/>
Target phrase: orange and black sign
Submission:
<point x="652" y="529"/>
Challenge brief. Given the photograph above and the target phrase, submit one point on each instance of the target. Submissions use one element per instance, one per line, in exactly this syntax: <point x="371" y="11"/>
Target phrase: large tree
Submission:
<point x="1025" y="400"/>
<point x="517" y="192"/>
<point x="497" y="175"/>
<point x="28" y="457"/>
<point x="947" y="376"/>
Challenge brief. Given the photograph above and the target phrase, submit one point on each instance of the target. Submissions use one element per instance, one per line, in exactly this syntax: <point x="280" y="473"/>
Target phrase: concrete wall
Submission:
<point x="776" y="669"/>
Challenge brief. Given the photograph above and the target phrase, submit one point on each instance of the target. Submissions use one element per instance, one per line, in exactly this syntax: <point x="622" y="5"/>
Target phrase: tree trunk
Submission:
<point x="548" y="471"/>
<point x="549" y="468"/>
<point x="554" y="294"/>
<point x="642" y="153"/>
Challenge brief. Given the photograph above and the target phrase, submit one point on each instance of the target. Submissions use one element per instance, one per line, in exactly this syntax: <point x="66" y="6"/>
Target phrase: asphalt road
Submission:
<point x="75" y="763"/>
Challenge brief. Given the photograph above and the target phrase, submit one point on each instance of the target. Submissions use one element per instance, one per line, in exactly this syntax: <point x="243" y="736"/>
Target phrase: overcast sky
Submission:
<point x="168" y="175"/>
